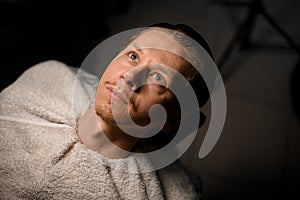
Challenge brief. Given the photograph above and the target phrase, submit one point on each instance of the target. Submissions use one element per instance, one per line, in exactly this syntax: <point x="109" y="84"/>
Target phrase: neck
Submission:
<point x="104" y="138"/>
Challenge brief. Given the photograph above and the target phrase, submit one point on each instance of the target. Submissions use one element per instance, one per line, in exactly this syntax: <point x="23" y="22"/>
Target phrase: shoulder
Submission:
<point x="40" y="75"/>
<point x="49" y="65"/>
<point x="43" y="92"/>
<point x="45" y="72"/>
<point x="178" y="182"/>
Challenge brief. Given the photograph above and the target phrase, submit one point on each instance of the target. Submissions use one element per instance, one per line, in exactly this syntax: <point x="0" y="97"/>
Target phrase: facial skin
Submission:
<point x="124" y="74"/>
<point x="144" y="62"/>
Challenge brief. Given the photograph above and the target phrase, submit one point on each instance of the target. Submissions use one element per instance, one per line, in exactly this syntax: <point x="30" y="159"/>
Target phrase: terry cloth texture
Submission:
<point x="41" y="156"/>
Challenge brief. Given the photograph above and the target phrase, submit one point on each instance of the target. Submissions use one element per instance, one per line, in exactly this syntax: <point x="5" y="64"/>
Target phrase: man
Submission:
<point x="47" y="153"/>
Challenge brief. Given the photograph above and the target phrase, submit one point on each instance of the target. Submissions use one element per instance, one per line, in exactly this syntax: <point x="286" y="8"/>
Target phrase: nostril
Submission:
<point x="130" y="84"/>
<point x="128" y="81"/>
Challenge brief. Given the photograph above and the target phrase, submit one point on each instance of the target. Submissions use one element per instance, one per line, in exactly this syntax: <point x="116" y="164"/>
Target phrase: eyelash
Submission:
<point x="152" y="74"/>
<point x="133" y="53"/>
<point x="161" y="77"/>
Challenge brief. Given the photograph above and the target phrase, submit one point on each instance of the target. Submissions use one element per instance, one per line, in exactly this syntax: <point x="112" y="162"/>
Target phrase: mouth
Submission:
<point x="114" y="94"/>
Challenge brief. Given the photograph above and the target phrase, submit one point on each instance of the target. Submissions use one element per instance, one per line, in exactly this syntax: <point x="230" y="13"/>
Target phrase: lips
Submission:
<point x="114" y="94"/>
<point x="118" y="96"/>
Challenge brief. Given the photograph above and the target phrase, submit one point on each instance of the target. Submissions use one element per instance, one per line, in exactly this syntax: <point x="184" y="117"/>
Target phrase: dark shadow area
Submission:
<point x="295" y="88"/>
<point x="33" y="31"/>
<point x="257" y="156"/>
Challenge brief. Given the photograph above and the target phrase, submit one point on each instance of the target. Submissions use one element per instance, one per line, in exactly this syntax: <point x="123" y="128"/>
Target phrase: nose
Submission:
<point x="129" y="80"/>
<point x="135" y="78"/>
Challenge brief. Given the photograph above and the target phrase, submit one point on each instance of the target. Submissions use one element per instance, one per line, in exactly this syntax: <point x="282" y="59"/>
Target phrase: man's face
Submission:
<point x="131" y="69"/>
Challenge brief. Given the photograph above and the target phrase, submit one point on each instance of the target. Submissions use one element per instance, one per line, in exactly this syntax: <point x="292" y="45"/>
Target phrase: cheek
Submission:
<point x="146" y="99"/>
<point x="100" y="92"/>
<point x="113" y="69"/>
<point x="109" y="73"/>
<point x="140" y="112"/>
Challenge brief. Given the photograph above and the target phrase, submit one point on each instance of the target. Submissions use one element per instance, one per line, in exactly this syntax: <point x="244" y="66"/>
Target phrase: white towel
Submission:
<point x="42" y="158"/>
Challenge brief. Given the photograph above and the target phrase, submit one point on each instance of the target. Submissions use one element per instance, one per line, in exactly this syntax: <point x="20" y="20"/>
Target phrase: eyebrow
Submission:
<point x="136" y="47"/>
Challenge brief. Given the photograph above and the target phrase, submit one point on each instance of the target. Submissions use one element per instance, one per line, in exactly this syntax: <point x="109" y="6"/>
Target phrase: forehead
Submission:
<point x="158" y="46"/>
<point x="158" y="39"/>
<point x="163" y="58"/>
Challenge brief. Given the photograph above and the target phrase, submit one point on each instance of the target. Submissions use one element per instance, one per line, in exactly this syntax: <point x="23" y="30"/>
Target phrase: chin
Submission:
<point x="105" y="113"/>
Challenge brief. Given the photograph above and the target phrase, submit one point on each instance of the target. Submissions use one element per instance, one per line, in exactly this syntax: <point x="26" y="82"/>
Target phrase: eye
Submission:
<point x="133" y="56"/>
<point x="158" y="78"/>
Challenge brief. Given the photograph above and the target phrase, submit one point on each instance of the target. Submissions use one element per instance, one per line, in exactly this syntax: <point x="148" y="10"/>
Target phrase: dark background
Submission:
<point x="258" y="153"/>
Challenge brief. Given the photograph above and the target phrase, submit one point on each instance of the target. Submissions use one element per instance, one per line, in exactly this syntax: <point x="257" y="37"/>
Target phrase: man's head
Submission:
<point x="147" y="60"/>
